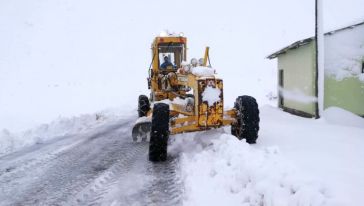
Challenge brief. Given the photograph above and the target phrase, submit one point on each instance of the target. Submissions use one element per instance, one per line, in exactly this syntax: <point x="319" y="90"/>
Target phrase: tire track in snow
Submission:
<point x="16" y="165"/>
<point x="95" y="192"/>
<point x="50" y="180"/>
<point x="102" y="168"/>
<point x="161" y="182"/>
<point x="166" y="185"/>
<point x="20" y="169"/>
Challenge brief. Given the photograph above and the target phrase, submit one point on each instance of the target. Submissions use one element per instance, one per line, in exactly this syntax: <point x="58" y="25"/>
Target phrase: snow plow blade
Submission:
<point x="141" y="131"/>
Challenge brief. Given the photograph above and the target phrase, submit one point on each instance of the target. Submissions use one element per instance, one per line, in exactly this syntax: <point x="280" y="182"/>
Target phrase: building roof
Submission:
<point x="308" y="40"/>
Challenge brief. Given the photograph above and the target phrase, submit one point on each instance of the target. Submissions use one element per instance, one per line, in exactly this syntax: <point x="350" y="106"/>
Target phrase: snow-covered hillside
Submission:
<point x="66" y="58"/>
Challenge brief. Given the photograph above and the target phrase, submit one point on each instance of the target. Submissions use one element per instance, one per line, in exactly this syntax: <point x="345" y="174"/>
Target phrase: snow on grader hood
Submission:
<point x="187" y="97"/>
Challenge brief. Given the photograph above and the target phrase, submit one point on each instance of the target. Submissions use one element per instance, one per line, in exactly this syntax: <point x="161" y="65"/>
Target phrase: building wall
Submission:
<point x="344" y="57"/>
<point x="347" y="94"/>
<point x="299" y="79"/>
<point x="344" y="52"/>
<point x="344" y="75"/>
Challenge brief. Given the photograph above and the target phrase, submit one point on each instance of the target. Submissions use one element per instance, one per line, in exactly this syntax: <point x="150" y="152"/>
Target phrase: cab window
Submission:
<point x="174" y="52"/>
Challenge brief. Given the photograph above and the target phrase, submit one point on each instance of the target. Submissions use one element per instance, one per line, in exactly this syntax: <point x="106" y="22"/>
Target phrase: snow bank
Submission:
<point x="143" y="119"/>
<point x="331" y="153"/>
<point x="339" y="116"/>
<point x="221" y="170"/>
<point x="361" y="77"/>
<point x="10" y="142"/>
<point x="202" y="71"/>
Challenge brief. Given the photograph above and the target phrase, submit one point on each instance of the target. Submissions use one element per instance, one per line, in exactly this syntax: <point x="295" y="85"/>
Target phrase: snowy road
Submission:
<point x="101" y="167"/>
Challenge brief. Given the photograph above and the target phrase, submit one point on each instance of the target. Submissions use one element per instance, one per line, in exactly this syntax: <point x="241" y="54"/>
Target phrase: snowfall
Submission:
<point x="69" y="69"/>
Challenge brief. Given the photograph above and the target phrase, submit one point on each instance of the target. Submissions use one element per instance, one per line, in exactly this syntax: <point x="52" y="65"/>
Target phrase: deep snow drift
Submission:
<point x="296" y="161"/>
<point x="221" y="170"/>
<point x="10" y="142"/>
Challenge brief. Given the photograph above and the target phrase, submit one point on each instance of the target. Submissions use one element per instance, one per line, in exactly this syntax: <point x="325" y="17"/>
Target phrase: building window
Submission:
<point x="281" y="86"/>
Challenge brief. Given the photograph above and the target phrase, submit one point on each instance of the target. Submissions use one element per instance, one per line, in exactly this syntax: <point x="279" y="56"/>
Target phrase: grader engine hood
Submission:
<point x="210" y="108"/>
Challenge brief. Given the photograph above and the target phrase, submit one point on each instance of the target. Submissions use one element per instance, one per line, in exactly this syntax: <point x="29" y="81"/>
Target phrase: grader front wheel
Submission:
<point x="247" y="119"/>
<point x="159" y="133"/>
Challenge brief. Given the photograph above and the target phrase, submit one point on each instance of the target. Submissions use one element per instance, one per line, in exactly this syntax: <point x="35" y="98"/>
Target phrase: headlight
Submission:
<point x="194" y="62"/>
<point x="200" y="61"/>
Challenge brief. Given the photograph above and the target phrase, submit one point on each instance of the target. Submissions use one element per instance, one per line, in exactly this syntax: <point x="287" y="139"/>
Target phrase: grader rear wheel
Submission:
<point x="247" y="124"/>
<point x="143" y="106"/>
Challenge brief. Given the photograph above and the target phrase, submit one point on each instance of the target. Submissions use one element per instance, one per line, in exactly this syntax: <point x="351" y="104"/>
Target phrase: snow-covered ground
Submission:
<point x="68" y="59"/>
<point x="296" y="161"/>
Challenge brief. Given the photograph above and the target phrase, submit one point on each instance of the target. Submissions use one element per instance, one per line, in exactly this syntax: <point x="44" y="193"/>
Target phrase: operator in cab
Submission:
<point x="166" y="63"/>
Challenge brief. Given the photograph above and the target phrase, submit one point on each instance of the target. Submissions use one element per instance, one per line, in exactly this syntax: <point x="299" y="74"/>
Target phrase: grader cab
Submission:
<point x="187" y="97"/>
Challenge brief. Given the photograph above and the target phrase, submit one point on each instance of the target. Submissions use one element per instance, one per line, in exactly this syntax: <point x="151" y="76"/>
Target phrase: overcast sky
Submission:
<point x="66" y="57"/>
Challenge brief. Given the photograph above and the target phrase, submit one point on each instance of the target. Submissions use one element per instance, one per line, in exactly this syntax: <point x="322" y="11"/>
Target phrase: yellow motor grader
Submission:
<point x="187" y="97"/>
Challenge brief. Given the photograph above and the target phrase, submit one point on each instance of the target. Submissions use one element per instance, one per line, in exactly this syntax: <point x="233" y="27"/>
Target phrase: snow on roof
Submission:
<point x="202" y="71"/>
<point x="167" y="33"/>
<point x="308" y="40"/>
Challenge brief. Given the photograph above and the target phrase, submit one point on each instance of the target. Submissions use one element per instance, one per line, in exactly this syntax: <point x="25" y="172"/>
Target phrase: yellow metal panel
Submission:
<point x="187" y="128"/>
<point x="227" y="121"/>
<point x="169" y="39"/>
<point x="210" y="115"/>
<point x="206" y="56"/>
<point x="180" y="109"/>
<point x="231" y="113"/>
<point x="185" y="119"/>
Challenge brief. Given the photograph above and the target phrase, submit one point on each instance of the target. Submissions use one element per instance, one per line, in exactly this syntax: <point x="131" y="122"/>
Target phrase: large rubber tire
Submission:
<point x="159" y="133"/>
<point x="143" y="106"/>
<point x="247" y="124"/>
